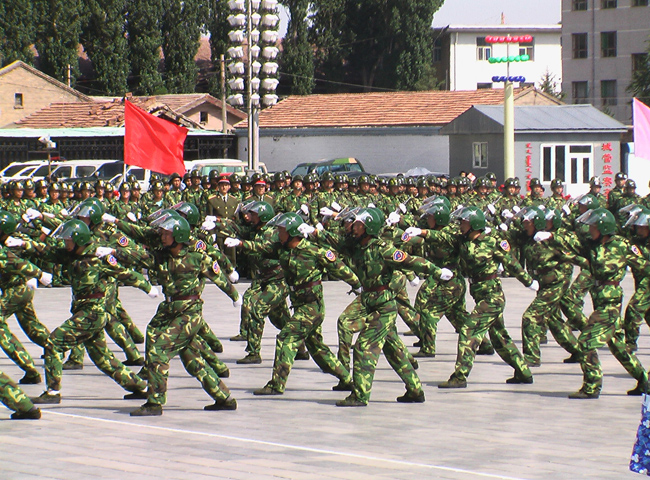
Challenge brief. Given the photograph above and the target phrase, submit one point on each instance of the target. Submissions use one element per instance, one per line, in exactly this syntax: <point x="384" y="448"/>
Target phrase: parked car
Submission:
<point x="348" y="165"/>
<point x="79" y="168"/>
<point x="18" y="168"/>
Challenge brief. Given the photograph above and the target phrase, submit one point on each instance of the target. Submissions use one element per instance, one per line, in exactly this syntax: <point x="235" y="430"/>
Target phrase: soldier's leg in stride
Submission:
<point x="127" y="321"/>
<point x="211" y="359"/>
<point x="248" y="298"/>
<point x="349" y="322"/>
<point x="17" y="352"/>
<point x="121" y="337"/>
<point x="19" y="303"/>
<point x="634" y="313"/>
<point x="210" y="338"/>
<point x="509" y="352"/>
<point x="12" y="396"/>
<point x="395" y="352"/>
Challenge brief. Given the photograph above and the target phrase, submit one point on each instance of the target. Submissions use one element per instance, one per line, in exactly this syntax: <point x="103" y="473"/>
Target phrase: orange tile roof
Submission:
<point x="428" y="108"/>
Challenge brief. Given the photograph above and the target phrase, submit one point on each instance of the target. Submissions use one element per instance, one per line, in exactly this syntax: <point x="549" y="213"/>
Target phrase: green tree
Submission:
<point x="104" y="40"/>
<point x="218" y="27"/>
<point x="639" y="87"/>
<point x="549" y="85"/>
<point x="58" y="29"/>
<point x="297" y="55"/>
<point x="181" y="33"/>
<point x="145" y="41"/>
<point x="16" y="31"/>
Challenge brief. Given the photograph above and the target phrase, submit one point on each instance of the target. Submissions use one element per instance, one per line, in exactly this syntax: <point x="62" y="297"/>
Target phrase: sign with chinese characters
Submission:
<point x="529" y="164"/>
<point x="607" y="178"/>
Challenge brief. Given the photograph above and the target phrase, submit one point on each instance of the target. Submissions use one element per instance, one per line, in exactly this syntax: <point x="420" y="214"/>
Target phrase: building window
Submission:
<point x="203" y="117"/>
<point x="483" y="86"/>
<point x="608" y="44"/>
<point x="18" y="100"/>
<point x="580" y="91"/>
<point x="638" y="61"/>
<point x="483" y="50"/>
<point x="437" y="51"/>
<point x="527" y="49"/>
<point x="480" y="154"/>
<point x="579" y="45"/>
<point x="579" y="4"/>
<point x="640" y="3"/>
<point x="608" y="92"/>
<point x="573" y="164"/>
<point x="608" y="4"/>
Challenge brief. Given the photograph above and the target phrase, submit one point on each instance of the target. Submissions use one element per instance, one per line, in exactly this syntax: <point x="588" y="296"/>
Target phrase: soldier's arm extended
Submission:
<point x="211" y="270"/>
<point x="11" y="264"/>
<point x="335" y="267"/>
<point x="503" y="255"/>
<point x="636" y="261"/>
<point x="110" y="265"/>
<point x="401" y="260"/>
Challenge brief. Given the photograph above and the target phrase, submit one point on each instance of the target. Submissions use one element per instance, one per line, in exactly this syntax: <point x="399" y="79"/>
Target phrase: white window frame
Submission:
<point x="582" y="180"/>
<point x="483" y="53"/>
<point x="480" y="154"/>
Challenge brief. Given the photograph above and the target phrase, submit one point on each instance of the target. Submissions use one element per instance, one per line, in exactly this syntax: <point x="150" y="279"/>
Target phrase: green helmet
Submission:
<point x="394" y="182"/>
<point x="556" y="182"/>
<point x="75" y="230"/>
<point x="553" y="215"/>
<point x="588" y="201"/>
<point x="535" y="215"/>
<point x="17" y="185"/>
<point x="136" y="186"/>
<point x="364" y="179"/>
<point x="100" y="184"/>
<point x="279" y="177"/>
<point x="640" y="218"/>
<point x="157" y="217"/>
<point x="157" y="185"/>
<point x="7" y="223"/>
<point x="620" y="176"/>
<point x="354" y="181"/>
<point x="91" y="208"/>
<point x="630" y="184"/>
<point x="29" y="184"/>
<point x="474" y="216"/>
<point x="453" y="182"/>
<point x="535" y="182"/>
<point x="490" y="176"/>
<point x="482" y="182"/>
<point x="125" y="187"/>
<point x="629" y="211"/>
<point x="371" y="218"/>
<point x="410" y="181"/>
<point x="602" y="218"/>
<point x="54" y="187"/>
<point x="258" y="178"/>
<point x="594" y="182"/>
<point x="512" y="182"/>
<point x="439" y="211"/>
<point x="188" y="211"/>
<point x="342" y="178"/>
<point x="176" y="224"/>
<point x="41" y="184"/>
<point x="326" y="176"/>
<point x="290" y="221"/>
<point x="263" y="209"/>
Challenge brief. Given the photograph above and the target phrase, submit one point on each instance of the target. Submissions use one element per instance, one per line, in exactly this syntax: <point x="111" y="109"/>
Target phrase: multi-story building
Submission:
<point x="603" y="42"/>
<point x="461" y="55"/>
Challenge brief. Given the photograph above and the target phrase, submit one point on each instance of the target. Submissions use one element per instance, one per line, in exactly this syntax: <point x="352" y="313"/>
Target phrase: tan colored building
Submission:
<point x="25" y="90"/>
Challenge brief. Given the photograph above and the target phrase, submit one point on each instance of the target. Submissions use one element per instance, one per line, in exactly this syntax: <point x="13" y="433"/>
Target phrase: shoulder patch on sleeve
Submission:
<point x="330" y="255"/>
<point x="215" y="267"/>
<point x="111" y="260"/>
<point x="200" y="245"/>
<point x="505" y="246"/>
<point x="399" y="255"/>
<point x="405" y="237"/>
<point x="635" y="250"/>
<point x="123" y="241"/>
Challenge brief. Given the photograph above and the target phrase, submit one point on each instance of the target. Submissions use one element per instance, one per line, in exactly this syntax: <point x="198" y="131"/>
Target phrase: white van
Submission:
<point x="18" y="168"/>
<point x="78" y="168"/>
<point x="222" y="165"/>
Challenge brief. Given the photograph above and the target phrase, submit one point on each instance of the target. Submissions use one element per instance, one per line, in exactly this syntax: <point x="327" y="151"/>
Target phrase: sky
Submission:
<point x="488" y="12"/>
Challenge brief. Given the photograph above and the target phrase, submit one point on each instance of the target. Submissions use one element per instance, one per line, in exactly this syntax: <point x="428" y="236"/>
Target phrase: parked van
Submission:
<point x="79" y="168"/>
<point x="222" y="165"/>
<point x="18" y="168"/>
<point x="347" y="165"/>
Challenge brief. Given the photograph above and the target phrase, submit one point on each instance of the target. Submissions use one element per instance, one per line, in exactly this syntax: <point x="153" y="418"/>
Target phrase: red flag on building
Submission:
<point x="641" y="121"/>
<point x="151" y="142"/>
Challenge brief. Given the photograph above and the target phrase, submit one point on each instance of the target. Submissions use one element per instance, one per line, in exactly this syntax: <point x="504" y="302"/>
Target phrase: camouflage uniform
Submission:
<point x="12" y="396"/>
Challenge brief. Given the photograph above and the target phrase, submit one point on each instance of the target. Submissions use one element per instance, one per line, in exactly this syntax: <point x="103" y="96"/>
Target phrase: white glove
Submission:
<point x="46" y="279"/>
<point x="232" y="242"/>
<point x="304" y="209"/>
<point x="541" y="236"/>
<point x="327" y="212"/>
<point x="131" y="216"/>
<point x="503" y="227"/>
<point x="507" y="214"/>
<point x="393" y="219"/>
<point x="233" y="276"/>
<point x="237" y="303"/>
<point x="415" y="282"/>
<point x="48" y="215"/>
<point x="108" y="218"/>
<point x="402" y="207"/>
<point x="446" y="274"/>
<point x="32" y="284"/>
<point x="371" y="205"/>
<point x="33" y="214"/>
<point x="153" y="293"/>
<point x="413" y="231"/>
<point x="487" y="230"/>
<point x="64" y="213"/>
<point x="336" y="206"/>
<point x="208" y="225"/>
<point x="357" y="291"/>
<point x="211" y="218"/>
<point x="500" y="269"/>
<point x="534" y="286"/>
<point x="101" y="252"/>
<point x="566" y="210"/>
<point x="46" y="230"/>
<point x="14" y="242"/>
<point x="306" y="229"/>
<point x="319" y="227"/>
<point x="491" y="209"/>
<point x="516" y="209"/>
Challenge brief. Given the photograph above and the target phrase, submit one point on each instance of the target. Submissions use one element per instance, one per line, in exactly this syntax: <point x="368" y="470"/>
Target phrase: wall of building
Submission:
<point x="632" y="27"/>
<point x="214" y="117"/>
<point x="37" y="93"/>
<point x="379" y="150"/>
<point x="466" y="71"/>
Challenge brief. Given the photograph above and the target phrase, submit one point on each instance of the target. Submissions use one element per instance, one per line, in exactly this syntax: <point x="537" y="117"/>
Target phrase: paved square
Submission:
<point x="489" y="430"/>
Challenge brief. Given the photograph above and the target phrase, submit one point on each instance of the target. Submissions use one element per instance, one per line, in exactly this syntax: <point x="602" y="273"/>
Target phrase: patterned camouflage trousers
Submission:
<point x="86" y="327"/>
<point x="544" y="312"/>
<point x="14" y="349"/>
<point x="604" y="328"/>
<point x="638" y="309"/>
<point x="304" y="326"/>
<point x="487" y="317"/>
<point x="174" y="331"/>
<point x="18" y="301"/>
<point x="573" y="302"/>
<point x="435" y="299"/>
<point x="12" y="396"/>
<point x="263" y="300"/>
<point x="378" y="334"/>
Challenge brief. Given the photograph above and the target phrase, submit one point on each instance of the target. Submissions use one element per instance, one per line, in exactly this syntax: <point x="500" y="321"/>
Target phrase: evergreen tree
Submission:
<point x="58" y="29"/>
<point x="16" y="31"/>
<point x="104" y="40"/>
<point x="218" y="27"/>
<point x="639" y="87"/>
<point x="145" y="41"/>
<point x="181" y="32"/>
<point x="297" y="56"/>
<point x="548" y="85"/>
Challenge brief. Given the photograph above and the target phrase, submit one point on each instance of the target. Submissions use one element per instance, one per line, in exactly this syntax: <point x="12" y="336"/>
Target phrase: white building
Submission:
<point x="461" y="55"/>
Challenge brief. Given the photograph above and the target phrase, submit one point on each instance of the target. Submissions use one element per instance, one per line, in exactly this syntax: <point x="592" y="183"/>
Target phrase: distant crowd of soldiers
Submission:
<point x="288" y="233"/>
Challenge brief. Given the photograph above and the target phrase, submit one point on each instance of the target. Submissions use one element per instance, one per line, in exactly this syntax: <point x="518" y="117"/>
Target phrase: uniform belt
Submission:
<point x="306" y="285"/>
<point x="89" y="296"/>
<point x="600" y="283"/>
<point x="380" y="288"/>
<point x="483" y="279"/>
<point x="181" y="298"/>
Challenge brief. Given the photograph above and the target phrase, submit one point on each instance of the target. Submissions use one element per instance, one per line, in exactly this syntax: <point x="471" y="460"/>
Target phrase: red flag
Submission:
<point x="641" y="120"/>
<point x="151" y="142"/>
